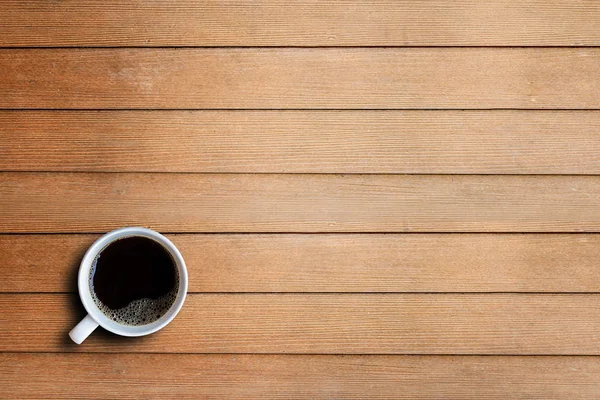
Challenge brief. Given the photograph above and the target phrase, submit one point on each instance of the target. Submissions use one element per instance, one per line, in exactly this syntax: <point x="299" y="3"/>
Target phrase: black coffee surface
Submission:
<point x="131" y="269"/>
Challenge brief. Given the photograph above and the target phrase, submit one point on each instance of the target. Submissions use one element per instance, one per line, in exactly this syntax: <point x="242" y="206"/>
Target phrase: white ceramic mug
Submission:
<point x="96" y="317"/>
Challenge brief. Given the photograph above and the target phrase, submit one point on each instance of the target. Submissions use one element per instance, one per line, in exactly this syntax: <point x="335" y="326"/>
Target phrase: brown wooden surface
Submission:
<point x="535" y="324"/>
<point x="307" y="263"/>
<point x="499" y="142"/>
<point x="97" y="202"/>
<point x="300" y="23"/>
<point x="269" y="140"/>
<point x="134" y="376"/>
<point x="382" y="78"/>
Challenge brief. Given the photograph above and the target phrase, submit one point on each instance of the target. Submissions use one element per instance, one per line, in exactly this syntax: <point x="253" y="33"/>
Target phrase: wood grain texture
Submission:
<point x="513" y="324"/>
<point x="300" y="23"/>
<point x="316" y="78"/>
<point x="186" y="376"/>
<point x="233" y="88"/>
<point x="334" y="263"/>
<point x="457" y="142"/>
<point x="98" y="202"/>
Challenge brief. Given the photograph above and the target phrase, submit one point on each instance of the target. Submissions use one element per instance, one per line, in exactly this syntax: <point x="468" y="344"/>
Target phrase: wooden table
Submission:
<point x="375" y="199"/>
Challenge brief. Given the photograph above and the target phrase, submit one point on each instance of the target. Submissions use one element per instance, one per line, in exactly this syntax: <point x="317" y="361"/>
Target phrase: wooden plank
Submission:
<point x="354" y="78"/>
<point x="459" y="142"/>
<point x="334" y="263"/>
<point x="135" y="376"/>
<point x="98" y="202"/>
<point x="300" y="23"/>
<point x="513" y="324"/>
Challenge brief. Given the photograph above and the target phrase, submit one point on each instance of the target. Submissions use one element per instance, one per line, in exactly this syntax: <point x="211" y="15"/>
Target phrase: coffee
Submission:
<point x="134" y="280"/>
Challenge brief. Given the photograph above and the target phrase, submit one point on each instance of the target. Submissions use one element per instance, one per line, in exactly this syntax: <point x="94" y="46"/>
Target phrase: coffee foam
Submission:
<point x="138" y="312"/>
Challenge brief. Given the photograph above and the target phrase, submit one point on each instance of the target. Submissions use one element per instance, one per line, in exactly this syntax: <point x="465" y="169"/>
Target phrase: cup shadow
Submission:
<point x="71" y="276"/>
<point x="101" y="338"/>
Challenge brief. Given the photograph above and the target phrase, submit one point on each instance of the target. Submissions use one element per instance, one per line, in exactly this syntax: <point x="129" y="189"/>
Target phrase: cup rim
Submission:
<point x="86" y="296"/>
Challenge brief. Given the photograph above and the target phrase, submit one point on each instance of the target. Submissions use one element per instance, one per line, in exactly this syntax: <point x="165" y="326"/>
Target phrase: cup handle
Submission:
<point x="83" y="329"/>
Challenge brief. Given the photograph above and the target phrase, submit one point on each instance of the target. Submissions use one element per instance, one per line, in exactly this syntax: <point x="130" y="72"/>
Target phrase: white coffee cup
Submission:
<point x="96" y="317"/>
